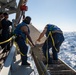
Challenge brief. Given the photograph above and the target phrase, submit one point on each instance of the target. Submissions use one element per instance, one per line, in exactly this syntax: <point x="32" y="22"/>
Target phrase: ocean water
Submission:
<point x="68" y="49"/>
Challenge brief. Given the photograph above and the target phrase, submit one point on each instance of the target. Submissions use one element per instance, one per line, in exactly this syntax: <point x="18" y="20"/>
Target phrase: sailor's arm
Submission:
<point x="42" y="34"/>
<point x="25" y="30"/>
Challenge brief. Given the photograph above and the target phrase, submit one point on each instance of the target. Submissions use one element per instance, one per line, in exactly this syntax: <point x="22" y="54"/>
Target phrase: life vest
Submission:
<point x="18" y="31"/>
<point x="51" y="27"/>
<point x="23" y="7"/>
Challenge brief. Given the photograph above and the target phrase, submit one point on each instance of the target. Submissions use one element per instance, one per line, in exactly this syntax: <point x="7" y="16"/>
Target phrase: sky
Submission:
<point x="59" y="12"/>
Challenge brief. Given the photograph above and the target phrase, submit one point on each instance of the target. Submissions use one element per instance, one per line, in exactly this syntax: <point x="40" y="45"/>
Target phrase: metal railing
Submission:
<point x="8" y="62"/>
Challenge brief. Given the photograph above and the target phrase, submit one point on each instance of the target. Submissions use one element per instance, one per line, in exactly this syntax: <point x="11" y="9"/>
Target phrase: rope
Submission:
<point x="7" y="40"/>
<point x="27" y="40"/>
<point x="50" y="34"/>
<point x="13" y="37"/>
<point x="46" y="57"/>
<point x="18" y="48"/>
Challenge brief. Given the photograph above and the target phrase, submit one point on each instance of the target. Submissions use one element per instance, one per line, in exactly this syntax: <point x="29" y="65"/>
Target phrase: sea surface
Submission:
<point x="68" y="49"/>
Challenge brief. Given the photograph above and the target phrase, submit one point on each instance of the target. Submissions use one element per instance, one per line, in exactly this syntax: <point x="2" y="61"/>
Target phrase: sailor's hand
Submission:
<point x="38" y="40"/>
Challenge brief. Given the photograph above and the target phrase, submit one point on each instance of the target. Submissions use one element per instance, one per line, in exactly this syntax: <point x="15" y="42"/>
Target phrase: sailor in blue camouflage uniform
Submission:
<point x="53" y="41"/>
<point x="22" y="32"/>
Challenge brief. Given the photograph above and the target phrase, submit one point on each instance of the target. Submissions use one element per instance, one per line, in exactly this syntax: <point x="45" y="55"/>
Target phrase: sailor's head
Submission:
<point x="27" y="20"/>
<point x="6" y="15"/>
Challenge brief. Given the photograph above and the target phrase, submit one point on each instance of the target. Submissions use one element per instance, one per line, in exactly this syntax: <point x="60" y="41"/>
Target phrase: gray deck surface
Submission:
<point x="20" y="70"/>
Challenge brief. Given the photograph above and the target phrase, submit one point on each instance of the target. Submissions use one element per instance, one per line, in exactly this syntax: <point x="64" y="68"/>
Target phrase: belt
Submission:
<point x="57" y="31"/>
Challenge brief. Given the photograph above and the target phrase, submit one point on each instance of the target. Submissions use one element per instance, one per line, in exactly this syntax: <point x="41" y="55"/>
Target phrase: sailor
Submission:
<point x="22" y="32"/>
<point x="5" y="31"/>
<point x="54" y="40"/>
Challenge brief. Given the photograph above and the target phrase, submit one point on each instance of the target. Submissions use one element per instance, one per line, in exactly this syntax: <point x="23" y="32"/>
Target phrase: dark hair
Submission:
<point x="27" y="19"/>
<point x="5" y="14"/>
